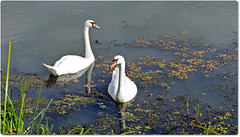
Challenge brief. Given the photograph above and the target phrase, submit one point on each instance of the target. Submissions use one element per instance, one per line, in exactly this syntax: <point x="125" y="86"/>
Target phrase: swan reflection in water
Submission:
<point x="121" y="107"/>
<point x="52" y="80"/>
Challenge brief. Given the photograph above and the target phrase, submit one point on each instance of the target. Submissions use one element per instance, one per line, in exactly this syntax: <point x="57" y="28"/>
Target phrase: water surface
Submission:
<point x="42" y="32"/>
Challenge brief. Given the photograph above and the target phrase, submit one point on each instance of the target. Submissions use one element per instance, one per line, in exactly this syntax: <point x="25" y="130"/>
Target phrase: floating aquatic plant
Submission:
<point x="69" y="102"/>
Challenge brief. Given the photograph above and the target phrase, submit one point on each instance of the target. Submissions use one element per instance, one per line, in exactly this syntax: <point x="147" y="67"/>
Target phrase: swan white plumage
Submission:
<point x="71" y="64"/>
<point x="121" y="88"/>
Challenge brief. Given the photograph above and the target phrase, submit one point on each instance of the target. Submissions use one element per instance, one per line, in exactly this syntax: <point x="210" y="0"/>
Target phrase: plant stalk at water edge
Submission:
<point x="6" y="89"/>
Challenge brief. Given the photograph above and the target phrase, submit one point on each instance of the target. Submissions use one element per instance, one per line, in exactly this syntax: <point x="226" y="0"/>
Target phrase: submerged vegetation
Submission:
<point x="152" y="111"/>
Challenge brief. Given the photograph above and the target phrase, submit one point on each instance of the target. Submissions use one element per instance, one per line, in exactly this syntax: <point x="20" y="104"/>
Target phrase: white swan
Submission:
<point x="70" y="64"/>
<point x="121" y="88"/>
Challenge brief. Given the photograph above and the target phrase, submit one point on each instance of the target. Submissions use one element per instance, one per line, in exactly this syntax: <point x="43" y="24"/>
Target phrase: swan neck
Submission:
<point x="88" y="50"/>
<point x="121" y="77"/>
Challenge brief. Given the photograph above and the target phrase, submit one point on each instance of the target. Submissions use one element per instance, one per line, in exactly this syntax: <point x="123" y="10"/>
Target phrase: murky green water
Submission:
<point x="45" y="31"/>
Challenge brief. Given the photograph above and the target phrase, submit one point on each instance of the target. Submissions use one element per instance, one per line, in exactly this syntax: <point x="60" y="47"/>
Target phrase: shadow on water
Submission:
<point x="52" y="80"/>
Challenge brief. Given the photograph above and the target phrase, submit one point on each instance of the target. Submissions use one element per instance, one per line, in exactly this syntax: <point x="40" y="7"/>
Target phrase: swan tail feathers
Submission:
<point x="51" y="69"/>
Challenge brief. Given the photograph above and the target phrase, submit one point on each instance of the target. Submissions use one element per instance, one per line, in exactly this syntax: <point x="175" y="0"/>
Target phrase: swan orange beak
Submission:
<point x="95" y="26"/>
<point x="114" y="63"/>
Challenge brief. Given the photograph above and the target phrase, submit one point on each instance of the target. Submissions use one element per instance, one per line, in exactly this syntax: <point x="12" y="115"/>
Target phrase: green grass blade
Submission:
<point x="43" y="114"/>
<point x="36" y="117"/>
<point x="214" y="132"/>
<point x="81" y="131"/>
<point x="36" y="108"/>
<point x="73" y="130"/>
<point x="87" y="131"/>
<point x="51" y="128"/>
<point x="21" y="115"/>
<point x="6" y="89"/>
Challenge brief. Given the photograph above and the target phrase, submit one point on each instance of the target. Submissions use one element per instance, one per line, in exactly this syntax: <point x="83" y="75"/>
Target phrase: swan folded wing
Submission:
<point x="71" y="64"/>
<point x="127" y="94"/>
<point x="130" y="89"/>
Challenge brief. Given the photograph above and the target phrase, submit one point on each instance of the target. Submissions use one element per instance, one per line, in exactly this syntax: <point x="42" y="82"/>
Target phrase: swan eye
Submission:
<point x="114" y="63"/>
<point x="115" y="60"/>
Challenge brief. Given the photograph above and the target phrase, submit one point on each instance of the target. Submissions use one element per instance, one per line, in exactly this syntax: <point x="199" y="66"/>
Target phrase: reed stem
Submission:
<point x="6" y="88"/>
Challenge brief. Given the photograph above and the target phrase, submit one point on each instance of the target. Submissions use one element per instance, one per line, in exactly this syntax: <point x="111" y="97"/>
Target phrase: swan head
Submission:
<point x="118" y="59"/>
<point x="90" y="24"/>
